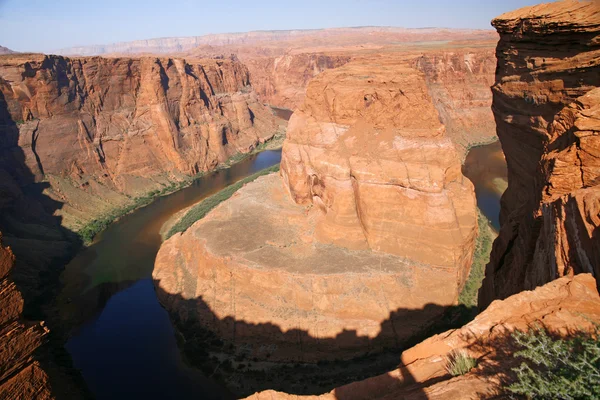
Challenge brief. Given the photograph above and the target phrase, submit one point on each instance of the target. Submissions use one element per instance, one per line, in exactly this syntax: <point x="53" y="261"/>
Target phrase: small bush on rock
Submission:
<point x="459" y="363"/>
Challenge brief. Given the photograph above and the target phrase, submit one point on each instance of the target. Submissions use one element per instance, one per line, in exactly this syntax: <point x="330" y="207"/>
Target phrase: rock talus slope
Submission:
<point x="568" y="303"/>
<point x="367" y="235"/>
<point x="100" y="130"/>
<point x="547" y="109"/>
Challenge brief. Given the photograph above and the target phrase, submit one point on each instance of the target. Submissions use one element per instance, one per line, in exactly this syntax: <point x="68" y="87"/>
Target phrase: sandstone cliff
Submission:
<point x="547" y="110"/>
<point x="282" y="80"/>
<point x="21" y="377"/>
<point x="368" y="149"/>
<point x="569" y="303"/>
<point x="367" y="237"/>
<point x="101" y="131"/>
<point x="458" y="81"/>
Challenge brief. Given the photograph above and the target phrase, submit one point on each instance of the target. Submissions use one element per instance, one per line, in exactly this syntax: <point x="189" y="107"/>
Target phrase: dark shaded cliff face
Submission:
<point x="547" y="109"/>
<point x="101" y="131"/>
<point x="20" y="376"/>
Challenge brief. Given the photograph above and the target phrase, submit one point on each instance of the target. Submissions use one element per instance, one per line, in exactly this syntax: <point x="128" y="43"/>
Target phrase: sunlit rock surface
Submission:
<point x="547" y="108"/>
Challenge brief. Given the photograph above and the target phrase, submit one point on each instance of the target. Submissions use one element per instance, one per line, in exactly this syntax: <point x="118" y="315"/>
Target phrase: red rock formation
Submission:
<point x="569" y="303"/>
<point x="368" y="149"/>
<point x="547" y="110"/>
<point x="20" y="376"/>
<point x="382" y="227"/>
<point x="98" y="129"/>
<point x="459" y="83"/>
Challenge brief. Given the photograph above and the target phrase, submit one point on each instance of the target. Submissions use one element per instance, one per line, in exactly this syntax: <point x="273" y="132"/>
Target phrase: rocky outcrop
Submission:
<point x="101" y="131"/>
<point x="21" y="377"/>
<point x="367" y="237"/>
<point x="565" y="305"/>
<point x="368" y="150"/>
<point x="547" y="109"/>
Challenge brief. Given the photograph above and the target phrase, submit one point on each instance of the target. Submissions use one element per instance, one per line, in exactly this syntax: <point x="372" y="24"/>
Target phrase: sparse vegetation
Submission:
<point x="201" y="209"/>
<point x="92" y="228"/>
<point x="557" y="368"/>
<point x="459" y="363"/>
<point x="481" y="257"/>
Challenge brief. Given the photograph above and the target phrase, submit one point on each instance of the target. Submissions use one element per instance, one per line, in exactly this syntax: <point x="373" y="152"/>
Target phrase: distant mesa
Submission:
<point x="380" y="35"/>
<point x="6" y="50"/>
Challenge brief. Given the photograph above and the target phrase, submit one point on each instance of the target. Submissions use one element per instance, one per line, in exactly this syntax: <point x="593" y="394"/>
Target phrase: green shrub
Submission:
<point x="481" y="256"/>
<point x="557" y="368"/>
<point x="459" y="363"/>
<point x="198" y="211"/>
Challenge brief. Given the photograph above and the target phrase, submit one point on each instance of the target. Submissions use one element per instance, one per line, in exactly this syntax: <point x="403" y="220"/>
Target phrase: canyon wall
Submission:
<point x="458" y="81"/>
<point x="367" y="148"/>
<point x="282" y="80"/>
<point x="102" y="131"/>
<point x="21" y="377"/>
<point x="547" y="110"/>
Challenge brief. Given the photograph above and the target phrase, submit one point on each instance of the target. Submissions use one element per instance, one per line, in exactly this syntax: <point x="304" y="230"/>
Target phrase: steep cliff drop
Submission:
<point x="361" y="243"/>
<point x="547" y="109"/>
<point x="104" y="131"/>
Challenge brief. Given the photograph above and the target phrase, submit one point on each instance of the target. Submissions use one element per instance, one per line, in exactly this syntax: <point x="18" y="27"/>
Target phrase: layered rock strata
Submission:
<point x="368" y="150"/>
<point x="459" y="83"/>
<point x="566" y="305"/>
<point x="21" y="377"/>
<point x="547" y="109"/>
<point x="101" y="131"/>
<point x="363" y="242"/>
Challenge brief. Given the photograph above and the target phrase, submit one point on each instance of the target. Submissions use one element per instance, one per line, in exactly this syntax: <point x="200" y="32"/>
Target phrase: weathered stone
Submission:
<point x="547" y="110"/>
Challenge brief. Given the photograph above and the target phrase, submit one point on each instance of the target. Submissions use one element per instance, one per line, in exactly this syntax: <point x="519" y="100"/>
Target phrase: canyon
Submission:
<point x="329" y="271"/>
<point x="101" y="132"/>
<point x="360" y="244"/>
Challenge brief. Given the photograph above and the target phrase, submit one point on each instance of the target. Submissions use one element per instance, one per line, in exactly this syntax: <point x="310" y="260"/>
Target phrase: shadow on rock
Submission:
<point x="248" y="357"/>
<point x="40" y="244"/>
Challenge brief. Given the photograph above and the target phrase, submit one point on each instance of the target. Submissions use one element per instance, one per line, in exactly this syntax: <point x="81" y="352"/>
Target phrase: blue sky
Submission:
<point x="44" y="25"/>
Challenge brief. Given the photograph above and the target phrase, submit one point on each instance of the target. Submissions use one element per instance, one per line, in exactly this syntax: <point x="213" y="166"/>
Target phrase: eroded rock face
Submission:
<point x="562" y="306"/>
<point x="102" y="129"/>
<point x="364" y="240"/>
<point x="21" y="377"/>
<point x="547" y="110"/>
<point x="459" y="83"/>
<point x="368" y="150"/>
<point x="282" y="80"/>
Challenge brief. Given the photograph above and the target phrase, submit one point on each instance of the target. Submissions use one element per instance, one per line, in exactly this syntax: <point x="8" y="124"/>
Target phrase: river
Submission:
<point x="126" y="346"/>
<point x="485" y="166"/>
<point x="124" y="343"/>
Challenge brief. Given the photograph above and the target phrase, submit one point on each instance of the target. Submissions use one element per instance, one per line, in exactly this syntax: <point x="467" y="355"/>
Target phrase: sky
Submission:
<point x="45" y="25"/>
